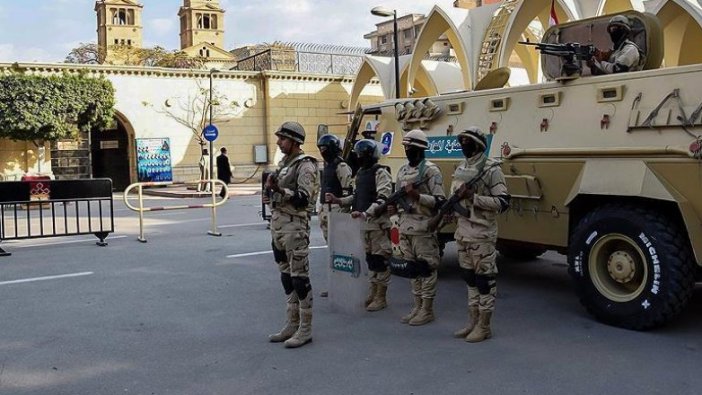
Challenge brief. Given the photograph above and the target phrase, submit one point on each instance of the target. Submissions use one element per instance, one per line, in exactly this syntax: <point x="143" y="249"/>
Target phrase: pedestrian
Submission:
<point x="292" y="189"/>
<point x="373" y="186"/>
<point x="204" y="165"/>
<point x="476" y="233"/>
<point x="224" y="171"/>
<point x="419" y="246"/>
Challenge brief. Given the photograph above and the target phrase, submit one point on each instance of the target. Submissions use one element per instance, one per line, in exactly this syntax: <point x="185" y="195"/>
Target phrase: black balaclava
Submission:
<point x="415" y="155"/>
<point x="469" y="147"/>
<point x="329" y="155"/>
<point x="367" y="161"/>
<point x="618" y="34"/>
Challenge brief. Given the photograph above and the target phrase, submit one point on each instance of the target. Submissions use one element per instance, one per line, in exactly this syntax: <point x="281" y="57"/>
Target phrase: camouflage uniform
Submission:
<point x="376" y="236"/>
<point x="417" y="243"/>
<point x="625" y="57"/>
<point x="290" y="231"/>
<point x="344" y="176"/>
<point x="476" y="233"/>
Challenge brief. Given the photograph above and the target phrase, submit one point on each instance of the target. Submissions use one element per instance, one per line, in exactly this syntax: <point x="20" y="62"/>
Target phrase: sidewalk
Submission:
<point x="188" y="191"/>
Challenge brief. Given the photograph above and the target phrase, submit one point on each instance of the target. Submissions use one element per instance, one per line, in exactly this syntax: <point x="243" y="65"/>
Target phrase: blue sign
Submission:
<point x="386" y="141"/>
<point x="210" y="133"/>
<point x="447" y="147"/>
<point x="154" y="160"/>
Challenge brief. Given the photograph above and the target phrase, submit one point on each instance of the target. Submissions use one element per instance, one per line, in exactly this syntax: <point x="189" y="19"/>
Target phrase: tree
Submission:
<point x="37" y="109"/>
<point x="193" y="110"/>
<point x="85" y="53"/>
<point x="90" y="53"/>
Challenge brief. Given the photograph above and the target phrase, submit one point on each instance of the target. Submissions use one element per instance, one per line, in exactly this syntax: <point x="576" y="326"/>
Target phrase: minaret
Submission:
<point x="201" y="21"/>
<point x="118" y="24"/>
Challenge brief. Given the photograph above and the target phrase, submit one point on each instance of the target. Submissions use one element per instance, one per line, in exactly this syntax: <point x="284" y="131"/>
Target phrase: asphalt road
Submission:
<point x="179" y="315"/>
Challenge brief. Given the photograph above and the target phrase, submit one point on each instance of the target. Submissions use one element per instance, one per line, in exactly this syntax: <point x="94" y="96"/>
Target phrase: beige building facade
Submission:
<point x="150" y="102"/>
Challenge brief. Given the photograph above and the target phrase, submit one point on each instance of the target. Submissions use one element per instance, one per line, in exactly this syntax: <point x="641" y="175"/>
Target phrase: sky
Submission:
<point x="47" y="30"/>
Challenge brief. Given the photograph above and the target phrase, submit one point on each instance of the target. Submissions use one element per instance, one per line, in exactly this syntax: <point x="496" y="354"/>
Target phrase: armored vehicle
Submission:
<point x="606" y="169"/>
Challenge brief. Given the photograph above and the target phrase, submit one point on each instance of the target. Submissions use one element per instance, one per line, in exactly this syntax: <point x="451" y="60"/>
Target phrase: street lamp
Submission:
<point x="385" y="12"/>
<point x="212" y="71"/>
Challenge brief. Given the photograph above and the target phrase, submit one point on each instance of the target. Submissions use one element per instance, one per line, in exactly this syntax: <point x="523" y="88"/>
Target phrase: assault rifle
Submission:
<point x="449" y="205"/>
<point x="397" y="195"/>
<point x="571" y="53"/>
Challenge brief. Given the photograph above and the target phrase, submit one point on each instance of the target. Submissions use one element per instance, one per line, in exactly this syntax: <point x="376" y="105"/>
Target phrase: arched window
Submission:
<point x="119" y="17"/>
<point x="199" y="20"/>
<point x="206" y="22"/>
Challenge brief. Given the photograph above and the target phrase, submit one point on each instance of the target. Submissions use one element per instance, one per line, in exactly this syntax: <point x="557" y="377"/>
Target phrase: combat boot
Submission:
<point x="415" y="309"/>
<point x="473" y="315"/>
<point x="304" y="332"/>
<point x="292" y="321"/>
<point x="379" y="301"/>
<point x="425" y="314"/>
<point x="482" y="330"/>
<point x="372" y="289"/>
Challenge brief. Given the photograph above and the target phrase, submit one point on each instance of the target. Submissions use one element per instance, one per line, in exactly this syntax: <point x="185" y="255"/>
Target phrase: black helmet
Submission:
<point x="367" y="148"/>
<point x="331" y="143"/>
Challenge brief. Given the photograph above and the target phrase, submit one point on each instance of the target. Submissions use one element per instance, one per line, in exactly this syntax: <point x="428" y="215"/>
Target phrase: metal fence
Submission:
<point x="306" y="58"/>
<point x="43" y="208"/>
<point x="315" y="58"/>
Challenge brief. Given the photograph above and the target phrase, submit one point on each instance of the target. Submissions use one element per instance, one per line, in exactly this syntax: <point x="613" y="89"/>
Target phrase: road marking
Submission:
<point x="29" y="280"/>
<point x="266" y="252"/>
<point x="242" y="225"/>
<point x="108" y="239"/>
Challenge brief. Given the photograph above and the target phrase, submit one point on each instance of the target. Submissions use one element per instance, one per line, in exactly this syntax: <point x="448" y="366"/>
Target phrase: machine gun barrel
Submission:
<point x="565" y="50"/>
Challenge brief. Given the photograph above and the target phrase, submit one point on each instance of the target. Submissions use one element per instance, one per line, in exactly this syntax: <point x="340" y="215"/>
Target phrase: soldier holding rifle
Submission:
<point x="418" y="245"/>
<point x="479" y="194"/>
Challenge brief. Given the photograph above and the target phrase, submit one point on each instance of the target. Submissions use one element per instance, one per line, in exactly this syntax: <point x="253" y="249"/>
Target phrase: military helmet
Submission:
<point x="475" y="134"/>
<point x="292" y="130"/>
<point x="415" y="138"/>
<point x="331" y="142"/>
<point x="367" y="148"/>
<point x="621" y="21"/>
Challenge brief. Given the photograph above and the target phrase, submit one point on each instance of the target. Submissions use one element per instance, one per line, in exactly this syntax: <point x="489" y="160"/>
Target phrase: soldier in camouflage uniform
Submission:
<point x="336" y="179"/>
<point x="476" y="233"/>
<point x="625" y="56"/>
<point x="292" y="191"/>
<point x="419" y="246"/>
<point x="373" y="186"/>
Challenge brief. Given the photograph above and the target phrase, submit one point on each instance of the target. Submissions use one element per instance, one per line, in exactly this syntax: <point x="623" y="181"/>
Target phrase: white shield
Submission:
<point x="348" y="271"/>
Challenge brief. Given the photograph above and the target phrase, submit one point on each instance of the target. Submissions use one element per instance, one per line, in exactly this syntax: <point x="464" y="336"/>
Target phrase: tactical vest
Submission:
<point x="287" y="178"/>
<point x="365" y="193"/>
<point x="330" y="181"/>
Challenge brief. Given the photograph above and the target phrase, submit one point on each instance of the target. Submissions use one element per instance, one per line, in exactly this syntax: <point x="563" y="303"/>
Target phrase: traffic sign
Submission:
<point x="210" y="133"/>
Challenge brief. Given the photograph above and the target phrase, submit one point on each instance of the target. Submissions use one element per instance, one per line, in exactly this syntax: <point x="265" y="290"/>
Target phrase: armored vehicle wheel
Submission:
<point x="632" y="266"/>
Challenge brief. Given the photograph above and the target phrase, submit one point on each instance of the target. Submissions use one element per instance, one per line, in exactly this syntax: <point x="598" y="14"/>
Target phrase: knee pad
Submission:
<point x="376" y="263"/>
<point x="422" y="267"/>
<point x="468" y="275"/>
<point x="286" y="279"/>
<point x="279" y="255"/>
<point x="302" y="286"/>
<point x="402" y="268"/>
<point x="485" y="283"/>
